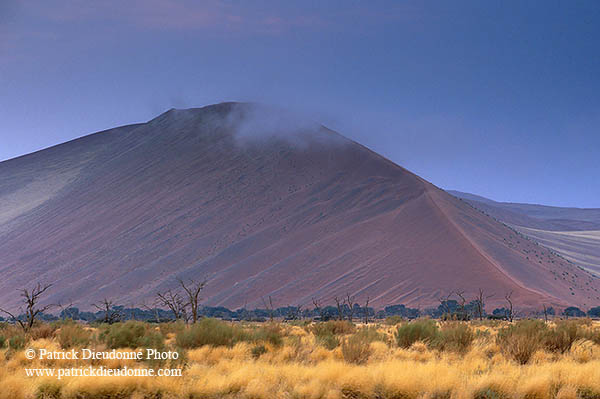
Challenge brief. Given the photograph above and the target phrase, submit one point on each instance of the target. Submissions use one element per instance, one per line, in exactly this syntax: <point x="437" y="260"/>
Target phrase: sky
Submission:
<point x="500" y="99"/>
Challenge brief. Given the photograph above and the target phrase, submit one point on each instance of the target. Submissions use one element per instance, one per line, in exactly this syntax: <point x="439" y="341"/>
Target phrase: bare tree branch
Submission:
<point x="174" y="301"/>
<point x="111" y="314"/>
<point x="510" y="314"/>
<point x="31" y="299"/>
<point x="192" y="289"/>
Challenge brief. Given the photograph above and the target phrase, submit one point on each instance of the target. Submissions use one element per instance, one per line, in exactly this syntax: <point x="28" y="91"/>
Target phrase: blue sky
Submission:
<point x="501" y="99"/>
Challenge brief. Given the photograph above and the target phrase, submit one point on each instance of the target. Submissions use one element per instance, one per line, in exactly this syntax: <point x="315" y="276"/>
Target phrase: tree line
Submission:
<point x="184" y="303"/>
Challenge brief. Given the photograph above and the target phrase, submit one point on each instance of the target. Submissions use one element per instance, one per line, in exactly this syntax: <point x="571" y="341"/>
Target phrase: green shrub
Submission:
<point x="456" y="337"/>
<point x="326" y="333"/>
<point x="593" y="335"/>
<point x="17" y="342"/>
<point x="522" y="339"/>
<point x="328" y="341"/>
<point x="356" y="349"/>
<point x="490" y="393"/>
<point x="561" y="338"/>
<point x="2" y="341"/>
<point x="173" y="327"/>
<point x="419" y="330"/>
<point x="371" y="334"/>
<point x="49" y="390"/>
<point x="393" y="320"/>
<point x="131" y="334"/>
<point x="332" y="327"/>
<point x="211" y="332"/>
<point x="270" y="333"/>
<point x="258" y="350"/>
<point x="73" y="335"/>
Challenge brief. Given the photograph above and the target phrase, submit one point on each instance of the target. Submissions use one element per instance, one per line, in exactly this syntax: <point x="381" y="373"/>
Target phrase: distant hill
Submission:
<point x="572" y="232"/>
<point x="261" y="204"/>
<point x="536" y="216"/>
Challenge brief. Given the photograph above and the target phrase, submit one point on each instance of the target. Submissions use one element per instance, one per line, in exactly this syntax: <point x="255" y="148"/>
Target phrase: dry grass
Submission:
<point x="458" y="360"/>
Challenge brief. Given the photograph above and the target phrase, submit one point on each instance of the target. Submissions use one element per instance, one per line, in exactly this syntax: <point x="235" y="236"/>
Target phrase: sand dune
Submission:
<point x="260" y="205"/>
<point x="580" y="247"/>
<point x="571" y="232"/>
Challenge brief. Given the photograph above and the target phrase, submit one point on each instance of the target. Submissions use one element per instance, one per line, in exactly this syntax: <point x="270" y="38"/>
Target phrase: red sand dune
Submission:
<point x="218" y="192"/>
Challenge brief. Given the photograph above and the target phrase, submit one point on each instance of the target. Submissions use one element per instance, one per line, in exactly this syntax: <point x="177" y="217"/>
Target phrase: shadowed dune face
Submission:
<point x="294" y="211"/>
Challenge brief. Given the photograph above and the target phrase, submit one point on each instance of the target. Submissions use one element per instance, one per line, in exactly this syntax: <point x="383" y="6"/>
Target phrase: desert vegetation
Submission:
<point x="421" y="358"/>
<point x="344" y="351"/>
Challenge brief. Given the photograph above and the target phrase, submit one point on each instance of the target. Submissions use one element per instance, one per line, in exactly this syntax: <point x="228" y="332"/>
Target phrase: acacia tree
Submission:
<point x="31" y="299"/>
<point x="111" y="313"/>
<point x="174" y="301"/>
<point x="192" y="291"/>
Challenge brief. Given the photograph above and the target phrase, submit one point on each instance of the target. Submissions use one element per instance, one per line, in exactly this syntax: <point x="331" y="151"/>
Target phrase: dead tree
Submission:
<point x="461" y="295"/>
<point x="545" y="314"/>
<point x="350" y="301"/>
<point x="298" y="313"/>
<point x="192" y="290"/>
<point x="510" y="312"/>
<point x="65" y="311"/>
<point x="340" y="308"/>
<point x="132" y="311"/>
<point x="269" y="307"/>
<point x="153" y="310"/>
<point x="367" y="311"/>
<point x="480" y="303"/>
<point x="444" y="303"/>
<point x="174" y="301"/>
<point x="31" y="299"/>
<point x="111" y="313"/>
<point x="318" y="308"/>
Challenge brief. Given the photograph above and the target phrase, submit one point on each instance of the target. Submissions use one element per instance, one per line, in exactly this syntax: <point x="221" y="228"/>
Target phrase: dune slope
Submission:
<point x="259" y="205"/>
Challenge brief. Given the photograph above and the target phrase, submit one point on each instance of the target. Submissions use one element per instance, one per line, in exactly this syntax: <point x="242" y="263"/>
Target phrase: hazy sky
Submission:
<point x="497" y="98"/>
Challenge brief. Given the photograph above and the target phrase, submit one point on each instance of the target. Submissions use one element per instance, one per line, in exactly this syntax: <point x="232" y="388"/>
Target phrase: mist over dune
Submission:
<point x="261" y="204"/>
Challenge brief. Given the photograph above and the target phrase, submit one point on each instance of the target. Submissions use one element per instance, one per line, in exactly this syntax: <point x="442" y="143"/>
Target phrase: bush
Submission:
<point x="393" y="320"/>
<point x="522" y="339"/>
<point x="131" y="334"/>
<point x="419" y="330"/>
<point x="49" y="390"/>
<point x="456" y="337"/>
<point x="210" y="332"/>
<point x="594" y="312"/>
<point x="42" y="331"/>
<point x="17" y="342"/>
<point x="356" y="349"/>
<point x="329" y="341"/>
<point x="172" y="327"/>
<point x="371" y="334"/>
<point x="326" y="333"/>
<point x="332" y="327"/>
<point x="258" y="350"/>
<point x="73" y="335"/>
<point x="270" y="333"/>
<point x="561" y="338"/>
